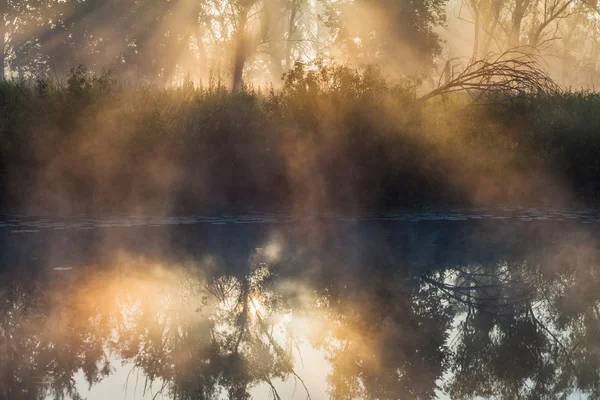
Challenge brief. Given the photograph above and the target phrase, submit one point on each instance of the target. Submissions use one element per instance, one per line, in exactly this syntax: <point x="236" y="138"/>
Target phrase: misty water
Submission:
<point x="469" y="303"/>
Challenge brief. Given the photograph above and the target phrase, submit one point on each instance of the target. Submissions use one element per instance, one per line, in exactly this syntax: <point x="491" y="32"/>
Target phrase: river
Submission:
<point x="438" y="303"/>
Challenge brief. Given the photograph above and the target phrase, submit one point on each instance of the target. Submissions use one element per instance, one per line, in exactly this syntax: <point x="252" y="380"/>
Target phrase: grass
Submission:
<point x="332" y="138"/>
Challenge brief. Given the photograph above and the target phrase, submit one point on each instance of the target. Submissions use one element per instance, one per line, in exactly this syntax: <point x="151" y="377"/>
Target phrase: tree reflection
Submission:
<point x="386" y="338"/>
<point x="519" y="340"/>
<point x="208" y="335"/>
<point x="507" y="329"/>
<point x="45" y="340"/>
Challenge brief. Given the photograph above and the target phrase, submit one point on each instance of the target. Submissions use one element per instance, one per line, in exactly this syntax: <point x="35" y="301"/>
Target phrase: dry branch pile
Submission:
<point x="514" y="73"/>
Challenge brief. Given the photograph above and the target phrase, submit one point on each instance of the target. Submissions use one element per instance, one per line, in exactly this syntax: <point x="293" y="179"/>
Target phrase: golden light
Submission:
<point x="272" y="251"/>
<point x="255" y="306"/>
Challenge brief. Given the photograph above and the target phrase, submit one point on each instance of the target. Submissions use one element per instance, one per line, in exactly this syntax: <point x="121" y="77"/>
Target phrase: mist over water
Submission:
<point x="471" y="303"/>
<point x="200" y="199"/>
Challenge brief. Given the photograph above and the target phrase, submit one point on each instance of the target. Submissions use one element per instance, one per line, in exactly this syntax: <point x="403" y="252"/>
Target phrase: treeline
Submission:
<point x="334" y="138"/>
<point x="161" y="41"/>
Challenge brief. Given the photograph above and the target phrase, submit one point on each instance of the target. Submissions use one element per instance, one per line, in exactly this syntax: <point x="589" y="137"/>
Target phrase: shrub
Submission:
<point x="334" y="137"/>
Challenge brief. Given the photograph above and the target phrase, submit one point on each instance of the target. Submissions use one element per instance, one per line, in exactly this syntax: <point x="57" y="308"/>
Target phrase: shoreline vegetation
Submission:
<point x="331" y="138"/>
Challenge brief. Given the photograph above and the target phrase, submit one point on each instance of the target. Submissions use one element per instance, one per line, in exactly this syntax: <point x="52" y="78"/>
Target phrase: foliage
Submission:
<point x="333" y="137"/>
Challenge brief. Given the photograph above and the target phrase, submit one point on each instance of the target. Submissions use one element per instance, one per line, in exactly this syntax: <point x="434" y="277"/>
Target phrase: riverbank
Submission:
<point x="332" y="139"/>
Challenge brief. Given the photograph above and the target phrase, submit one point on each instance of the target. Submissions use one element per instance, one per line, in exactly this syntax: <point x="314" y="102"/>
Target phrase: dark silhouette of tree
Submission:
<point x="396" y="34"/>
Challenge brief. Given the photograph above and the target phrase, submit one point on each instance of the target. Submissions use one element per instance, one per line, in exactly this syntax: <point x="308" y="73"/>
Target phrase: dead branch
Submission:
<point x="511" y="74"/>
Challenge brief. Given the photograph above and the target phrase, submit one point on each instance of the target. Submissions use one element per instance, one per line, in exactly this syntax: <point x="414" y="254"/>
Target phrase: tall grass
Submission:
<point x="333" y="137"/>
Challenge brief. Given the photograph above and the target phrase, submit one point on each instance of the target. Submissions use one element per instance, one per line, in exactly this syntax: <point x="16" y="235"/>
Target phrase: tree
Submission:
<point x="22" y="20"/>
<point x="396" y="34"/>
<point x="497" y="77"/>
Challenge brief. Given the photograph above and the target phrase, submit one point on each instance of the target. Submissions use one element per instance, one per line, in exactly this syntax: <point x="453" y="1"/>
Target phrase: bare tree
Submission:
<point x="485" y="17"/>
<point x="550" y="11"/>
<point x="507" y="75"/>
<point x="513" y="23"/>
<point x="3" y="11"/>
<point x="241" y="42"/>
<point x="517" y="15"/>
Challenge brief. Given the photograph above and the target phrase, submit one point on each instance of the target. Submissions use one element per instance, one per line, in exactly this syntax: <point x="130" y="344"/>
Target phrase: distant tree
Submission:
<point x="399" y="34"/>
<point x="158" y="40"/>
<point x="22" y="20"/>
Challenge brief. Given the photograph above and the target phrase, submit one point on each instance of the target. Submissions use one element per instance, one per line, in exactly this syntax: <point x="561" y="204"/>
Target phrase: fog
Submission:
<point x="167" y="41"/>
<point x="468" y="304"/>
<point x="345" y="199"/>
<point x="126" y="106"/>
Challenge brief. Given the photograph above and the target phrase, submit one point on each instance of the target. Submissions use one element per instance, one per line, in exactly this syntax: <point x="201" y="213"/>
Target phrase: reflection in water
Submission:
<point x="396" y="316"/>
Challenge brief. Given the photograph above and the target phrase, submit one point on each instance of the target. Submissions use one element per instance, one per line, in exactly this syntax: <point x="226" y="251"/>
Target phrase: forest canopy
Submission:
<point x="163" y="41"/>
<point x="259" y="40"/>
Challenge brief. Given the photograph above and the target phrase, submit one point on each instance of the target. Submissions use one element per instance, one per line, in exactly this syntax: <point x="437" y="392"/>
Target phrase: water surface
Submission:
<point x="461" y="304"/>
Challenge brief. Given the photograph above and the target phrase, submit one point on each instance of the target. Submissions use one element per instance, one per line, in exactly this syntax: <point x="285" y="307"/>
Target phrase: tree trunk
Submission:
<point x="290" y="36"/>
<point x="514" y="38"/>
<point x="593" y="57"/>
<point x="240" y="51"/>
<point x="320" y="29"/>
<point x="567" y="58"/>
<point x="553" y="16"/>
<point x="496" y="6"/>
<point x="19" y="66"/>
<point x="448" y="70"/>
<point x="476" y="33"/>
<point x="3" y="11"/>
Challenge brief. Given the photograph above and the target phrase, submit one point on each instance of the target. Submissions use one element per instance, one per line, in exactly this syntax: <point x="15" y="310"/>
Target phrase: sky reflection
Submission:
<point x="449" y="310"/>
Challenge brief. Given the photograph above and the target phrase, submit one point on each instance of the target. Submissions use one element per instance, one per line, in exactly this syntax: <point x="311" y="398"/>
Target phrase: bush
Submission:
<point x="334" y="137"/>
